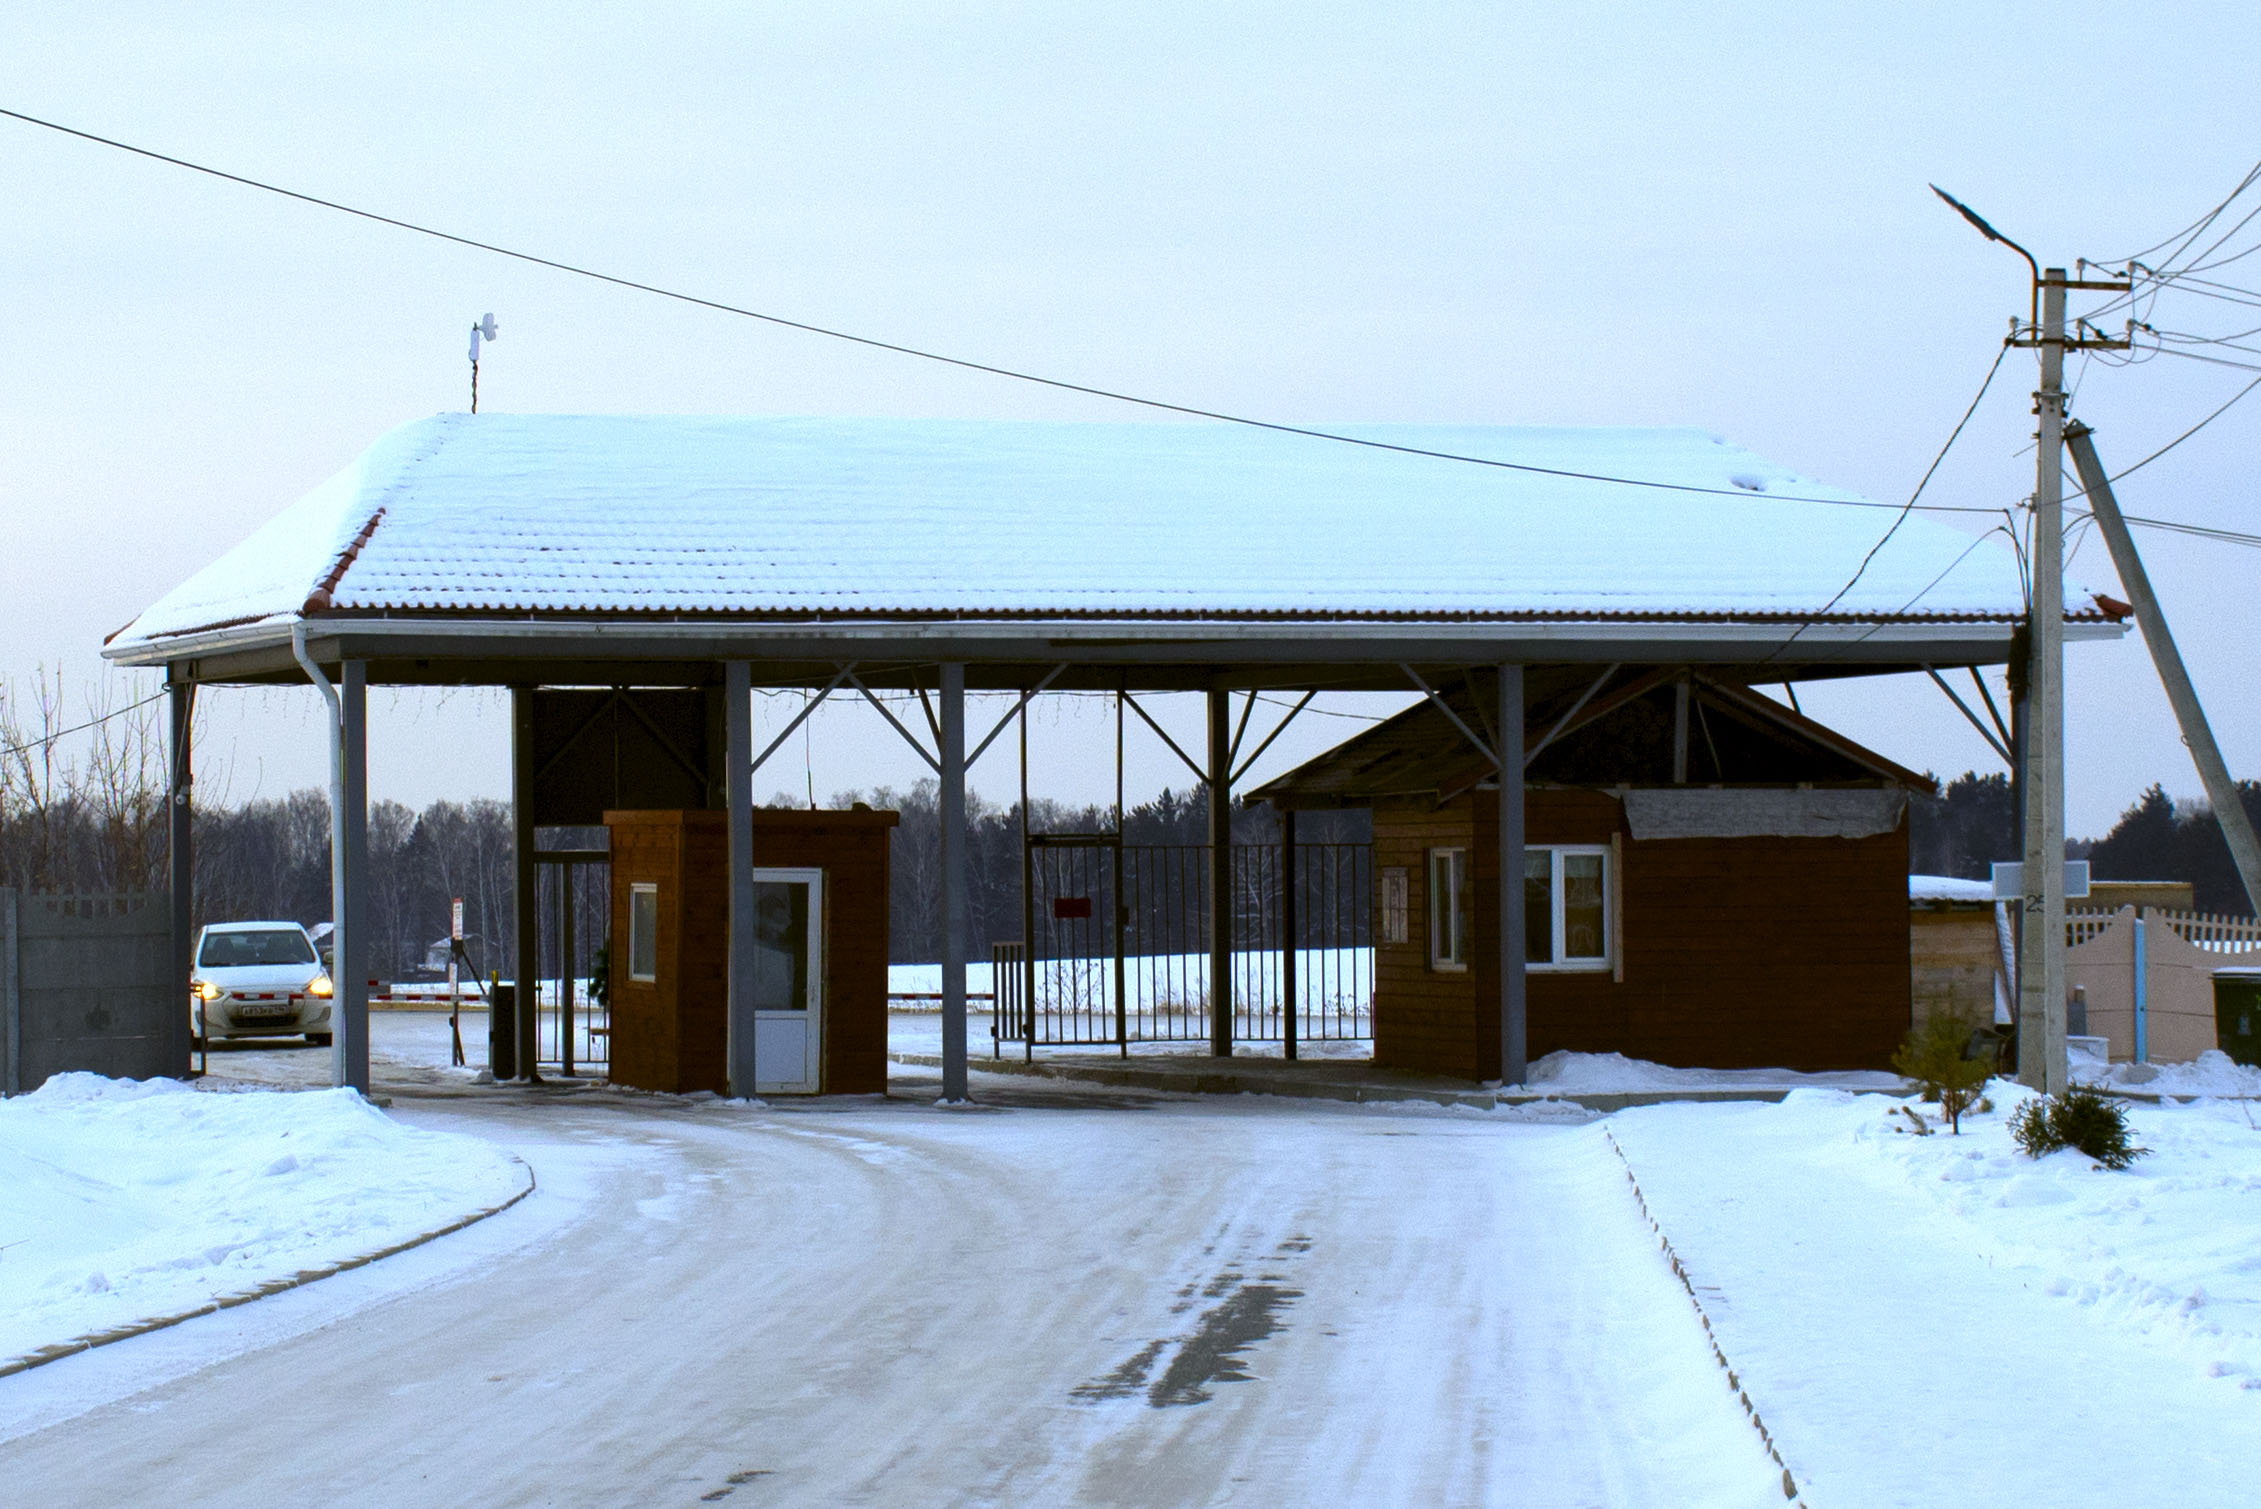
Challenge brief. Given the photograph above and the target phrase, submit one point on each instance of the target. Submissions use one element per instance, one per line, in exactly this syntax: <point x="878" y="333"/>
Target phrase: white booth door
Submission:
<point x="788" y="981"/>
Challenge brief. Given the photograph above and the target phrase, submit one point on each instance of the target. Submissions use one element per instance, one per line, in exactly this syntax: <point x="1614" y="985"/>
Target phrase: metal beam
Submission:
<point x="1266" y="743"/>
<point x="1992" y="711"/>
<point x="741" y="1062"/>
<point x="517" y="1057"/>
<point x="1221" y="873"/>
<point x="181" y="860"/>
<point x="1563" y="722"/>
<point x="799" y="718"/>
<point x="1680" y="690"/>
<point x="1984" y="732"/>
<point x="2197" y="733"/>
<point x="1514" y="1001"/>
<point x="1483" y="746"/>
<point x="1017" y="708"/>
<point x="895" y="723"/>
<point x="349" y="829"/>
<point x="953" y="803"/>
<point x="1191" y="763"/>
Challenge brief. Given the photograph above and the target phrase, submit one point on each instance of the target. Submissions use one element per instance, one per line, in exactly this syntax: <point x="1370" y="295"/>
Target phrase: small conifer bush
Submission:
<point x="1935" y="1055"/>
<point x="2080" y="1118"/>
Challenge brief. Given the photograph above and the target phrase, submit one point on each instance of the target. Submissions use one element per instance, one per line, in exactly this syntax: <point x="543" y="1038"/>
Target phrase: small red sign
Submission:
<point x="1071" y="908"/>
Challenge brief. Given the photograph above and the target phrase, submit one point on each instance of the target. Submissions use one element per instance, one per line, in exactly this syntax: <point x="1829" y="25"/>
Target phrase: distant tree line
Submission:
<point x="1974" y="822"/>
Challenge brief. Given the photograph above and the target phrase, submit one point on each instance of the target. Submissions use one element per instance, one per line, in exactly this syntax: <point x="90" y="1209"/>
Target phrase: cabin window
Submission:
<point x="1448" y="909"/>
<point x="643" y="932"/>
<point x="1396" y="904"/>
<point x="1566" y="901"/>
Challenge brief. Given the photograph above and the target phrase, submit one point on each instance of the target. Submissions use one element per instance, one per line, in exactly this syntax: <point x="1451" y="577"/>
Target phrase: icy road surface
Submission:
<point x="1056" y="1298"/>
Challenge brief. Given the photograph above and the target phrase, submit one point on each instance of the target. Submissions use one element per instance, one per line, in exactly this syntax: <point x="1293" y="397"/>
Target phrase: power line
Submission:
<point x="964" y="363"/>
<point x="63" y="733"/>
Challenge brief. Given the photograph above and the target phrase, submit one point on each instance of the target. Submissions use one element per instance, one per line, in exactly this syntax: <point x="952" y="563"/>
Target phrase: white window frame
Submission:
<point x="1448" y="912"/>
<point x="1556" y="922"/>
<point x="637" y="890"/>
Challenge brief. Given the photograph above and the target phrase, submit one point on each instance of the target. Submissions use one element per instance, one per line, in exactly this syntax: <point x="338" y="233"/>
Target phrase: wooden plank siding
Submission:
<point x="673" y="1033"/>
<point x="1738" y="953"/>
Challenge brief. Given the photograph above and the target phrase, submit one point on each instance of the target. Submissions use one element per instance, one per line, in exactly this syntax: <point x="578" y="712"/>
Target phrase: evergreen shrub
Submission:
<point x="2076" y="1118"/>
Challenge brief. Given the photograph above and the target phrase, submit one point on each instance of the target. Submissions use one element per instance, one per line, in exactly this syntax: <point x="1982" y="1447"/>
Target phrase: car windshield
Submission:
<point x="277" y="945"/>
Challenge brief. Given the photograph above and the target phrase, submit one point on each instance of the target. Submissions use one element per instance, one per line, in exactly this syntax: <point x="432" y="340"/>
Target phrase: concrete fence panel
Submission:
<point x="86" y="982"/>
<point x="2181" y="951"/>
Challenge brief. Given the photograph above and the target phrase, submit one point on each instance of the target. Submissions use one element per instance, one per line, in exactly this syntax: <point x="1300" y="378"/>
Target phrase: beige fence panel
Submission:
<point x="2181" y="952"/>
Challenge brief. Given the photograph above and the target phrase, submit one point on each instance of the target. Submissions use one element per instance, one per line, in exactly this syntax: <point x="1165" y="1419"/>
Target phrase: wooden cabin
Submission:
<point x="1711" y="880"/>
<point x="821" y="897"/>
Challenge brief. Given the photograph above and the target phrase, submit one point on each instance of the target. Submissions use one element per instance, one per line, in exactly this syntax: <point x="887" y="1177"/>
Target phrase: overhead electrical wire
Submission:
<point x="965" y="363"/>
<point x="44" y="740"/>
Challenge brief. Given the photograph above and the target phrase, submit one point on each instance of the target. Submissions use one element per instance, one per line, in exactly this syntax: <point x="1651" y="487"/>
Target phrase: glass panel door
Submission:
<point x="788" y="981"/>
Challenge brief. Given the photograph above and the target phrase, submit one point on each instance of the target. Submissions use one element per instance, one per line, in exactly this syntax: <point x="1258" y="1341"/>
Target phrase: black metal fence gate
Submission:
<point x="1121" y="939"/>
<point x="572" y="1028"/>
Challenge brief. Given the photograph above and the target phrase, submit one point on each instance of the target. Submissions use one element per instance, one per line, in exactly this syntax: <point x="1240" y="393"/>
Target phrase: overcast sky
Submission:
<point x="1562" y="214"/>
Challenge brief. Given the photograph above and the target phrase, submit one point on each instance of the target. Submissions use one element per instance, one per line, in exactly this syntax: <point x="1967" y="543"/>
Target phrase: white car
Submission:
<point x="258" y="979"/>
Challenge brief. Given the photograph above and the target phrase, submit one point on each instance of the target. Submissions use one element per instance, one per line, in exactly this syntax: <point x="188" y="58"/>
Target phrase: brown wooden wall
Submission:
<point x="1744" y="952"/>
<point x="673" y="1034"/>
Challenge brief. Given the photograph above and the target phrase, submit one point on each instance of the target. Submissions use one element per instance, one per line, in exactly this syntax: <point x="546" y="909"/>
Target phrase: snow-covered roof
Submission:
<point x="1948" y="888"/>
<point x="582" y="515"/>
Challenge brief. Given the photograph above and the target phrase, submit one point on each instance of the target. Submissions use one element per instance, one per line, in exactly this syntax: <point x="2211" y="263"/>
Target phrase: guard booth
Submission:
<point x="821" y="887"/>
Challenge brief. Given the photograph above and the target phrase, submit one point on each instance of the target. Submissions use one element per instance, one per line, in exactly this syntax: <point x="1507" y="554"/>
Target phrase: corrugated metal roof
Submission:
<point x="606" y="514"/>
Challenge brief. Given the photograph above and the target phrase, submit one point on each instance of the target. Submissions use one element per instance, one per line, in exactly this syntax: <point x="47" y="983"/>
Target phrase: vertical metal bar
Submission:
<point x="180" y="858"/>
<point x="1115" y="900"/>
<point x="1679" y="732"/>
<point x="741" y="1052"/>
<point x="349" y="828"/>
<point x="1513" y="1003"/>
<point x="1028" y="898"/>
<point x="1220" y="873"/>
<point x="1288" y="997"/>
<point x="515" y="1057"/>
<point x="565" y="874"/>
<point x="952" y="747"/>
<point x="2142" y="993"/>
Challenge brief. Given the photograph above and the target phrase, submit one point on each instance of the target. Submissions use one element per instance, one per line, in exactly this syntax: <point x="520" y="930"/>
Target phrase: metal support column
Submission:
<point x="740" y="1058"/>
<point x="349" y="831"/>
<point x="1288" y="932"/>
<point x="515" y="1059"/>
<point x="953" y="803"/>
<point x="1220" y="873"/>
<point x="565" y="969"/>
<point x="181" y="858"/>
<point x="1514" y="1063"/>
<point x="2041" y="921"/>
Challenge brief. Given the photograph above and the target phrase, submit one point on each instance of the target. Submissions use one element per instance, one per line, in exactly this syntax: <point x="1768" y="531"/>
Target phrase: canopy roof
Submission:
<point x="550" y="521"/>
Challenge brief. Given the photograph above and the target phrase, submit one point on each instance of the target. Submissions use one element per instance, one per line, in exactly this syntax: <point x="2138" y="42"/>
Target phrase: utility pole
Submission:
<point x="2041" y="918"/>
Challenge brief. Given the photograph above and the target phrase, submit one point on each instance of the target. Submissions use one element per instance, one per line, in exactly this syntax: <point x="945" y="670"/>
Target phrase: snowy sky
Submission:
<point x="1484" y="214"/>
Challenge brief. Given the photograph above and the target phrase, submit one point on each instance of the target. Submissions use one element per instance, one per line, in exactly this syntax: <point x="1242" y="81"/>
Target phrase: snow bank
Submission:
<point x="2214" y="1073"/>
<point x="1894" y="1300"/>
<point x="126" y="1201"/>
<point x="1614" y="1073"/>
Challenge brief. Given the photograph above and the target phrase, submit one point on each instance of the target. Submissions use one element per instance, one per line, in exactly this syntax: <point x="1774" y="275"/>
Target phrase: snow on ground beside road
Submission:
<point x="126" y="1201"/>
<point x="1904" y="1309"/>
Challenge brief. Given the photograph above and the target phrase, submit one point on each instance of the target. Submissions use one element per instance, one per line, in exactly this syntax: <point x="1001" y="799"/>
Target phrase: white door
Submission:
<point x="788" y="981"/>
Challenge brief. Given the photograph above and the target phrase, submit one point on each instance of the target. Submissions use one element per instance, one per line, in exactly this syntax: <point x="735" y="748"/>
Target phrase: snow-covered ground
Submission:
<point x="122" y="1202"/>
<point x="1570" y="1074"/>
<point x="1926" y="1319"/>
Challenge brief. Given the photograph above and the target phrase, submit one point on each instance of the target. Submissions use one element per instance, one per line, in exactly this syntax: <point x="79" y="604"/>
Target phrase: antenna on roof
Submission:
<point x="483" y="331"/>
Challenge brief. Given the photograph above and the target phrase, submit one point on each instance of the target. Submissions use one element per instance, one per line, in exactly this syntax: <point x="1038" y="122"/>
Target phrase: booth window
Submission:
<point x="1566" y="899"/>
<point x="1448" y="909"/>
<point x="643" y="931"/>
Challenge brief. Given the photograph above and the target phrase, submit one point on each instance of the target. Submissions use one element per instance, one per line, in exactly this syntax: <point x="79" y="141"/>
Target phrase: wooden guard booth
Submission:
<point x="670" y="960"/>
<point x="1711" y="880"/>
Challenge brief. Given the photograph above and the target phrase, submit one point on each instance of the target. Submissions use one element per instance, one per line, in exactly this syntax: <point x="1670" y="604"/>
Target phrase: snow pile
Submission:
<point x="127" y="1201"/>
<point x="1615" y="1074"/>
<point x="2214" y="1074"/>
<point x="1948" y="888"/>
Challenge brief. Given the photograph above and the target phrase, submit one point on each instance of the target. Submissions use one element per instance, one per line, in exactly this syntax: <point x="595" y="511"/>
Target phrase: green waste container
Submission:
<point x="2237" y="1012"/>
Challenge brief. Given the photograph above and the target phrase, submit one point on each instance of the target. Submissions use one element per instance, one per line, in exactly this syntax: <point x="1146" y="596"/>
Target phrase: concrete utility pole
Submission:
<point x="2229" y="810"/>
<point x="2041" y="920"/>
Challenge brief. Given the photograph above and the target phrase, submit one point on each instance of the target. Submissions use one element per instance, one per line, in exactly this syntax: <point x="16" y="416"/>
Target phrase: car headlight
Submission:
<point x="320" y="986"/>
<point x="205" y="990"/>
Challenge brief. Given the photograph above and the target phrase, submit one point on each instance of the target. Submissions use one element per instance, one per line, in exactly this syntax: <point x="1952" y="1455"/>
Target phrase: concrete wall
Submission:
<point x="86" y="983"/>
<point x="2179" y="980"/>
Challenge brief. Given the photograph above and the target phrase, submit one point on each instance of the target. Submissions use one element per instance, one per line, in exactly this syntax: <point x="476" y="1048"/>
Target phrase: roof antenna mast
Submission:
<point x="483" y="331"/>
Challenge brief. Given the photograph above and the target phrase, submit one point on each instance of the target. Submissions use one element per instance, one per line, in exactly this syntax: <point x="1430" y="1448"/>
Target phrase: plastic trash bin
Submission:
<point x="2237" y="1012"/>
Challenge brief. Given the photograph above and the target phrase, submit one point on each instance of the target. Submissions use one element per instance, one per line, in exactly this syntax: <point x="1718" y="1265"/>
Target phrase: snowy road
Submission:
<point x="1056" y="1298"/>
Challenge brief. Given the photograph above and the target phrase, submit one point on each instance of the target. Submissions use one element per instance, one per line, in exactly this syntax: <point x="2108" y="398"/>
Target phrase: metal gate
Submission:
<point x="572" y="1029"/>
<point x="1121" y="934"/>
